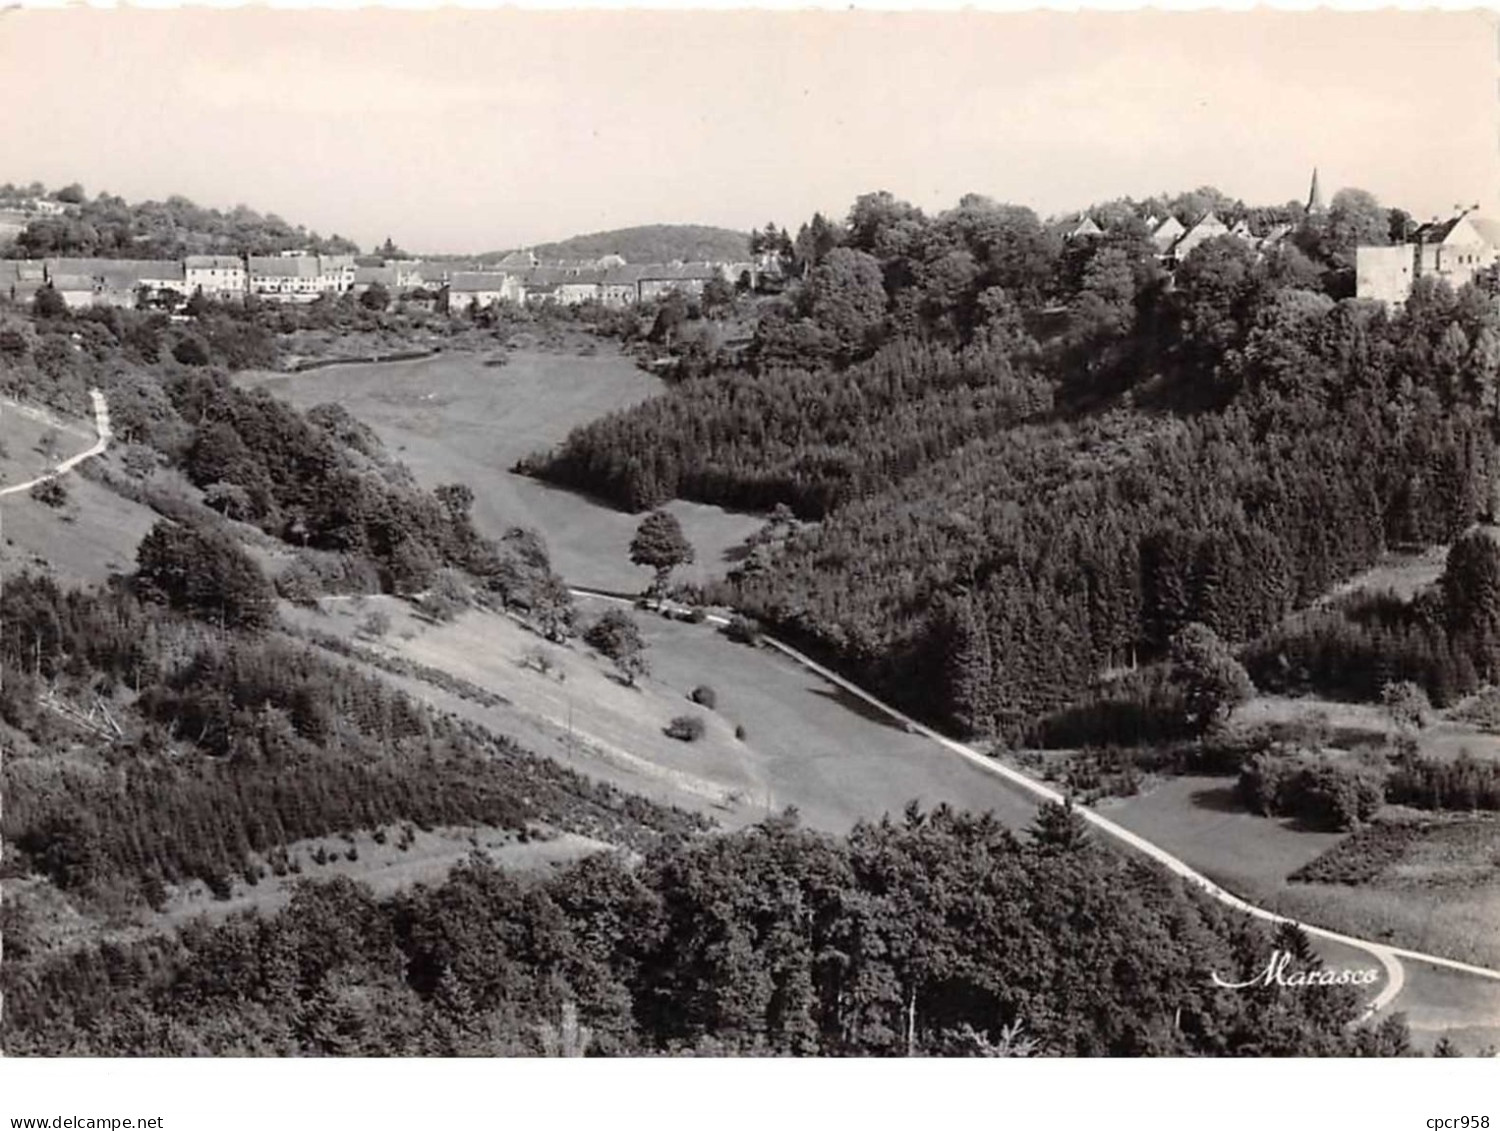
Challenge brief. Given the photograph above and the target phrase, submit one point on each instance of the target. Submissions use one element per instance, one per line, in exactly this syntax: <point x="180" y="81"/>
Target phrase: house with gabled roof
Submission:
<point x="1208" y="228"/>
<point x="479" y="289"/>
<point x="659" y="280"/>
<point x="1458" y="250"/>
<point x="1085" y="228"/>
<point x="1166" y="234"/>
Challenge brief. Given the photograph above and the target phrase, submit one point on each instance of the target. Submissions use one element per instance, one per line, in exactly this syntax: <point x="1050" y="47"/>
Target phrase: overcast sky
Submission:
<point x="470" y="131"/>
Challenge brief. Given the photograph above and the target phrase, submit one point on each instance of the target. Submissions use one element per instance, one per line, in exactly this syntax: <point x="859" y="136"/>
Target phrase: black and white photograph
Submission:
<point x="749" y="534"/>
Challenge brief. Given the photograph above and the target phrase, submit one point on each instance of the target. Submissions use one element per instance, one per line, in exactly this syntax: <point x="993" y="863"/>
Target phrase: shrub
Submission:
<point x="139" y="460"/>
<point x="704" y="696"/>
<point x="687" y="728"/>
<point x="697" y="615"/>
<point x="439" y="606"/>
<point x="191" y="351"/>
<point x="376" y="625"/>
<point x="740" y="732"/>
<point x="299" y="583"/>
<point x="51" y="493"/>
<point x="539" y="659"/>
<point x="742" y="630"/>
<point x="618" y="638"/>
<point x="1330" y="792"/>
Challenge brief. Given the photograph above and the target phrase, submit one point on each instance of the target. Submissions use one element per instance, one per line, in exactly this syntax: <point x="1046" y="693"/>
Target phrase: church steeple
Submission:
<point x="1314" y="194"/>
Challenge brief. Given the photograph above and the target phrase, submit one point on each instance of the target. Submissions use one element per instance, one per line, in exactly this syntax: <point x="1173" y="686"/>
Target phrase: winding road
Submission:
<point x="101" y="426"/>
<point x="1389" y="957"/>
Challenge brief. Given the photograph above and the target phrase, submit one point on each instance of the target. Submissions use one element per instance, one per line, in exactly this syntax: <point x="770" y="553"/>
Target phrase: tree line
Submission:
<point x="107" y="227"/>
<point x="938" y="933"/>
<point x="810" y="439"/>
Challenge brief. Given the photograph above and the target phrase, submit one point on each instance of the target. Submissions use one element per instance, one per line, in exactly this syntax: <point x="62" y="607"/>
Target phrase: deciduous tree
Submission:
<point x="660" y="544"/>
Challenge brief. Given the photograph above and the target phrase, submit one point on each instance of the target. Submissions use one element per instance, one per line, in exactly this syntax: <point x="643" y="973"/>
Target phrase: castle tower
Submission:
<point x="1315" y="194"/>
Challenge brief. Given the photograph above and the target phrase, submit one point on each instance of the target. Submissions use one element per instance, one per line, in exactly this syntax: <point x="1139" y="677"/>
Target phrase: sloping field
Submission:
<point x="451" y="418"/>
<point x="33" y="439"/>
<point x="94" y="534"/>
<point x="806" y="744"/>
<point x="1459" y="921"/>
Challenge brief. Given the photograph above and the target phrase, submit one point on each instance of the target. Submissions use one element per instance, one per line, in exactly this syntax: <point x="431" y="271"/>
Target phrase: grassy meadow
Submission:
<point x="451" y="418"/>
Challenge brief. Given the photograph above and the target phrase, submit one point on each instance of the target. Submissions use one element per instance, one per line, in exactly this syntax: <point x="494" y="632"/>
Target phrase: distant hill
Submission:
<point x="653" y="243"/>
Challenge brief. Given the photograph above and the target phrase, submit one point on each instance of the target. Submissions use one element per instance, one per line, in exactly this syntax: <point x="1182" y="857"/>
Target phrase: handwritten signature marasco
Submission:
<point x="1277" y="973"/>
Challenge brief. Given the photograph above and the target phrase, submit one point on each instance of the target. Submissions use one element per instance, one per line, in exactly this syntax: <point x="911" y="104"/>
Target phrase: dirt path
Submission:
<point x="101" y="426"/>
<point x="1389" y="957"/>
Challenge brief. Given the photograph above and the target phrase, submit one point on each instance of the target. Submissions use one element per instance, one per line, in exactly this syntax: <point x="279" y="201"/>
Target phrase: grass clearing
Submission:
<point x="452" y="419"/>
<point x="1197" y="818"/>
<point x="383" y="867"/>
<point x="1402" y="572"/>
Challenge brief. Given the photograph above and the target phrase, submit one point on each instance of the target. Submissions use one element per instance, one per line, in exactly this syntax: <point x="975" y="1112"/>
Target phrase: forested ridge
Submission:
<point x="651" y="243"/>
<point x="1217" y="445"/>
<point x="937" y="934"/>
<point x="108" y="227"/>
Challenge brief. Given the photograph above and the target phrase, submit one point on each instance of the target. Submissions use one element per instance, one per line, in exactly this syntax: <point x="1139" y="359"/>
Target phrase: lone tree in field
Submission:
<point x="660" y="544"/>
<point x="1211" y="680"/>
<point x="1406" y="704"/>
<point x="617" y="637"/>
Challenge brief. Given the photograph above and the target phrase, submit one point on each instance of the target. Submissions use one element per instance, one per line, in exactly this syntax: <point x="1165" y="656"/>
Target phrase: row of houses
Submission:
<point x="1460" y="250"/>
<point x="120" y="282"/>
<point x="1175" y="241"/>
<point x="614" y="286"/>
<point x="518" y="278"/>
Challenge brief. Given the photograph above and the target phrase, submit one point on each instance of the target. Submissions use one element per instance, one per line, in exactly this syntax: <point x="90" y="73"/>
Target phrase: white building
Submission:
<point x="299" y="278"/>
<point x="478" y="289"/>
<point x="1456" y="251"/>
<point x="217" y="276"/>
<point x="283" y="278"/>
